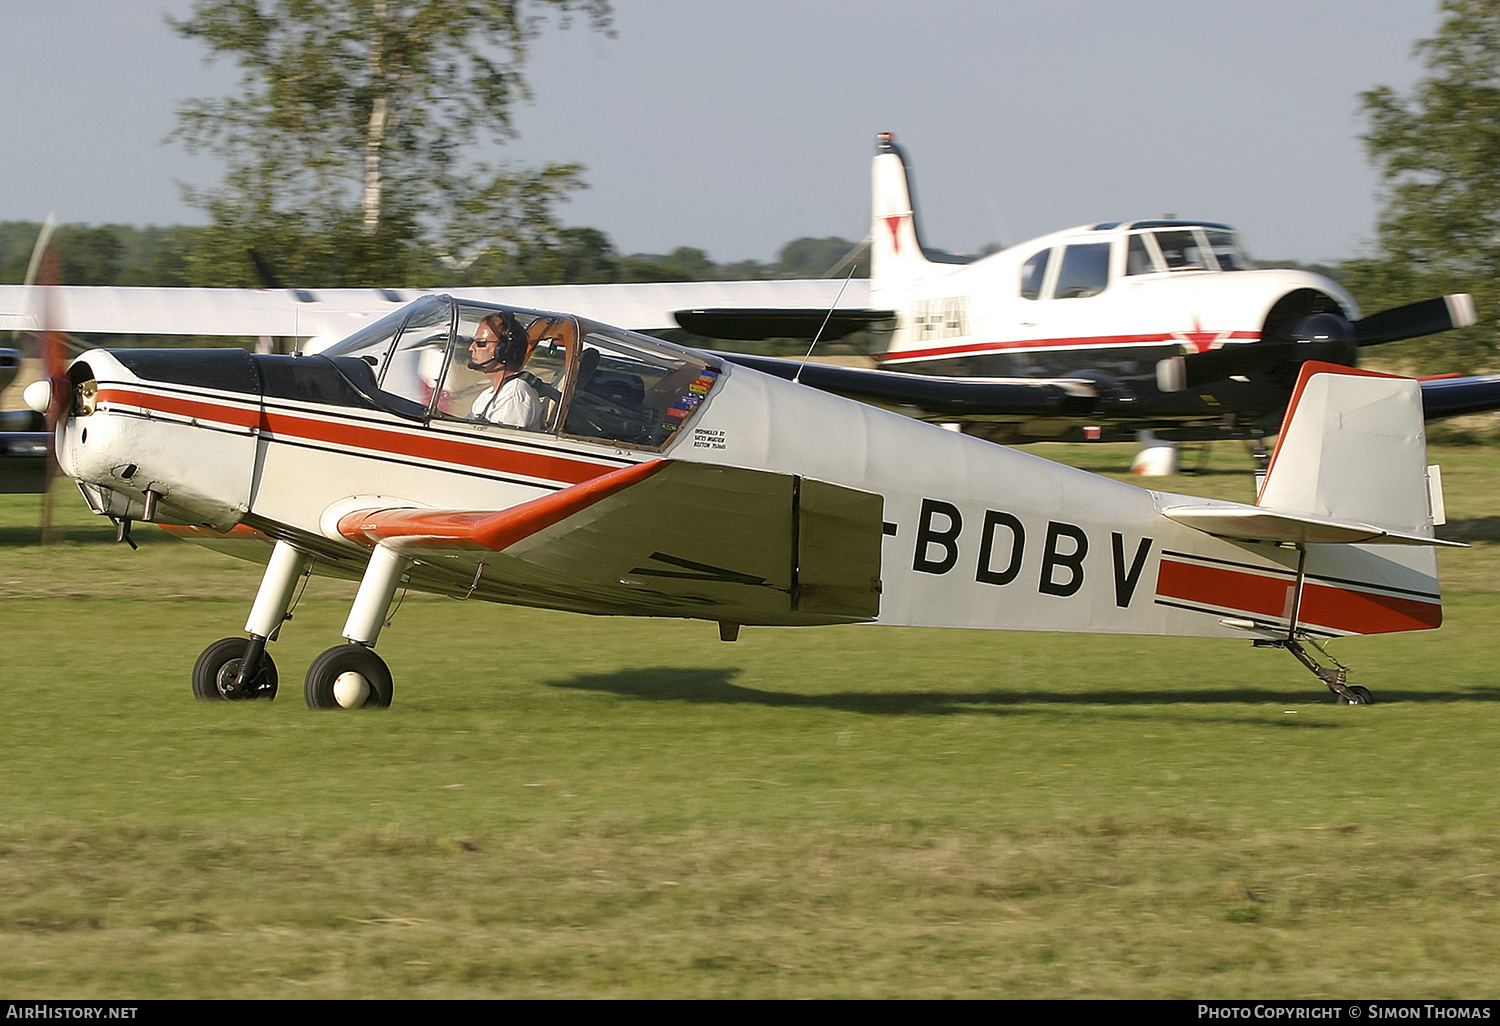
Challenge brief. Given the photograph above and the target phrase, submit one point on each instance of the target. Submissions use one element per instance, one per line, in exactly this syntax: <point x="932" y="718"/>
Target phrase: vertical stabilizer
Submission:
<point x="1352" y="446"/>
<point x="896" y="257"/>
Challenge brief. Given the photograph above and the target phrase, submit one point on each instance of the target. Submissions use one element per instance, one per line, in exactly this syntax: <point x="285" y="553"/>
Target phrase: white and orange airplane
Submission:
<point x="663" y="481"/>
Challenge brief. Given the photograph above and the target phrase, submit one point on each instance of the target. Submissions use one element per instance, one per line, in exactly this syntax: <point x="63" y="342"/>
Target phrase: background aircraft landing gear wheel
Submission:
<point x="1361" y="695"/>
<point x="348" y="677"/>
<point x="215" y="672"/>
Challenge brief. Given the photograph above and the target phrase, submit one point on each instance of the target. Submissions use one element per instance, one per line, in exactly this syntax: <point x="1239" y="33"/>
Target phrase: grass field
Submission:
<point x="569" y="806"/>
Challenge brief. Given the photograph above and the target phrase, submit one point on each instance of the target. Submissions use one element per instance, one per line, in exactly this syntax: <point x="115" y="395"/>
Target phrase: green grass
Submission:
<point x="570" y="806"/>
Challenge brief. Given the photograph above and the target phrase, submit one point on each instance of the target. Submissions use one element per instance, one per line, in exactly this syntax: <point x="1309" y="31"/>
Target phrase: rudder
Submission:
<point x="1352" y="446"/>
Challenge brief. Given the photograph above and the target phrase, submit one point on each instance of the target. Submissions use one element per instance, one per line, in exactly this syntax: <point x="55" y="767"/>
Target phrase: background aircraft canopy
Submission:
<point x="1162" y="247"/>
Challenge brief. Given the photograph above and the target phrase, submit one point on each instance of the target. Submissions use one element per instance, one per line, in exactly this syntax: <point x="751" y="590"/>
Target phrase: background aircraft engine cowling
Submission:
<point x="1310" y="325"/>
<point x="1326" y="337"/>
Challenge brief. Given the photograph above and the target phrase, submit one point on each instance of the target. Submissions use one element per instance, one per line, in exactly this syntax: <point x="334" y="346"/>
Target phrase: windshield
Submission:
<point x="1185" y="249"/>
<point x="632" y="389"/>
<point x="492" y="366"/>
<point x="1227" y="251"/>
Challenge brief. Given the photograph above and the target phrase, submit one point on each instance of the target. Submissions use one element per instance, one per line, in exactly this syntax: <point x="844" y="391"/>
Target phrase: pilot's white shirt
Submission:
<point x="514" y="405"/>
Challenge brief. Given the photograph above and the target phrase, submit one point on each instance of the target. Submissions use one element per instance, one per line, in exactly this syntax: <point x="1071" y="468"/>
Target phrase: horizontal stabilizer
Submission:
<point x="1252" y="523"/>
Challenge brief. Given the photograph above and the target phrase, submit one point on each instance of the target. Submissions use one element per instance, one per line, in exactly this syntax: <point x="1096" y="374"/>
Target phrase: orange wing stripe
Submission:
<point x="488" y="529"/>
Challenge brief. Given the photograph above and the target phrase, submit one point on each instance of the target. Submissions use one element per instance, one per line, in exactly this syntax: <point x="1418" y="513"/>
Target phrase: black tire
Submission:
<point x="220" y="664"/>
<point x="1361" y="695"/>
<point x="326" y="669"/>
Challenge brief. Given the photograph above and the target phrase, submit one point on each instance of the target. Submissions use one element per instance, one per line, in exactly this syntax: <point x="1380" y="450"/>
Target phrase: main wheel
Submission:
<point x="1361" y="695"/>
<point x="215" y="672"/>
<point x="348" y="677"/>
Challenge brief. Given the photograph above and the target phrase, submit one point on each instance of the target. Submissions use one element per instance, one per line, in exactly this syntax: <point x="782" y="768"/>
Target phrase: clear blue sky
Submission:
<point x="738" y="125"/>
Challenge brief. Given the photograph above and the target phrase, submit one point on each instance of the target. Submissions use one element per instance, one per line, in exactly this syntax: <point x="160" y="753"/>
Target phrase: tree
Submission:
<point x="349" y="147"/>
<point x="816" y="258"/>
<point x="1438" y="151"/>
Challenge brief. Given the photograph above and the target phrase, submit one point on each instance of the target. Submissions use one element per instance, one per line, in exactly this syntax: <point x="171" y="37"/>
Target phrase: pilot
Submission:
<point x="498" y="350"/>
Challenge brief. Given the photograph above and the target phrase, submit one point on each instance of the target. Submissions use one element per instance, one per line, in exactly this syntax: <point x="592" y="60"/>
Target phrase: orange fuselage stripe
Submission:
<point x="1323" y="605"/>
<point x="398" y="443"/>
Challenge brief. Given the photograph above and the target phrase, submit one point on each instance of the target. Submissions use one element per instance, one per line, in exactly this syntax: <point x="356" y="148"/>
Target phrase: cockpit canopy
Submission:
<point x="1084" y="266"/>
<point x="590" y="380"/>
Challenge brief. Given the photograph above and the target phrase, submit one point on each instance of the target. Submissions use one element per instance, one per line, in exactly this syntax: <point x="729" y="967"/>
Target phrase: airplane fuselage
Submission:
<point x="1101" y="304"/>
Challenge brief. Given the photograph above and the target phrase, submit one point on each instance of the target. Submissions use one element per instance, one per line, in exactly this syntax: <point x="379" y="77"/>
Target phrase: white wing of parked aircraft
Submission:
<point x="331" y="314"/>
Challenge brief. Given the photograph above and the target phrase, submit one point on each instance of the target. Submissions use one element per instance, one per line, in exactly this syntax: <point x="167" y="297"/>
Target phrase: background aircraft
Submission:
<point x="1159" y="325"/>
<point x="666" y="482"/>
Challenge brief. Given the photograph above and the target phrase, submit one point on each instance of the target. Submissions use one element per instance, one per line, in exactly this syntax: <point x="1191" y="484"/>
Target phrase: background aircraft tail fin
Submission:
<point x="1353" y="447"/>
<point x="896" y="255"/>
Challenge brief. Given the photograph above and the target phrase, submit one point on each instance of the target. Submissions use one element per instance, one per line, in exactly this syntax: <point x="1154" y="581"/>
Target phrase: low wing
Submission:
<point x="936" y="397"/>
<point x="1457" y="397"/>
<point x="662" y="538"/>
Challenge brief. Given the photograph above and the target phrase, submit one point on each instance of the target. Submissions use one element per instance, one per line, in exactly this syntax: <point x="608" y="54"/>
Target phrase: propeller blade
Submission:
<point x="55" y="366"/>
<point x="1321" y="330"/>
<point x="1416" y="319"/>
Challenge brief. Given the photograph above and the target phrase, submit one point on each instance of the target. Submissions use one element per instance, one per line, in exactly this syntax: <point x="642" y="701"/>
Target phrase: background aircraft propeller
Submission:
<point x="55" y="366"/>
<point x="1326" y="336"/>
<point x="52" y="402"/>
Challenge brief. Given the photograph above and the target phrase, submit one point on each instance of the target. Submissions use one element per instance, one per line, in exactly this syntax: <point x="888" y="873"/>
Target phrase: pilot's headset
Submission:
<point x="511" y="352"/>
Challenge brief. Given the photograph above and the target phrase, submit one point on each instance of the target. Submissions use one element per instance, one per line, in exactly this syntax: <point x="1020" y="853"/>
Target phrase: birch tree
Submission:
<point x="350" y="143"/>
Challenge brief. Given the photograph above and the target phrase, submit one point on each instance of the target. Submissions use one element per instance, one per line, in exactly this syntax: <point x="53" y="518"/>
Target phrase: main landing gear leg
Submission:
<point x="235" y="669"/>
<point x="1336" y="677"/>
<point x="352" y="676"/>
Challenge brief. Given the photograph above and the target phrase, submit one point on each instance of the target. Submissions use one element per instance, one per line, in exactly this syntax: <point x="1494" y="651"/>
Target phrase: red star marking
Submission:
<point x="893" y="222"/>
<point x="1199" y="340"/>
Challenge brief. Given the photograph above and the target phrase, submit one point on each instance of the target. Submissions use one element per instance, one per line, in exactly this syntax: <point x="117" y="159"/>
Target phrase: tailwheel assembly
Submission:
<point x="217" y="674"/>
<point x="348" y="677"/>
<point x="1336" y="677"/>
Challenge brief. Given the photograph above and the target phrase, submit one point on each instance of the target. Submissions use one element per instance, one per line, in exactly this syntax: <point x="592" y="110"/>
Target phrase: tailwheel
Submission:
<point x="348" y="677"/>
<point x="1335" y="677"/>
<point x="218" y="668"/>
